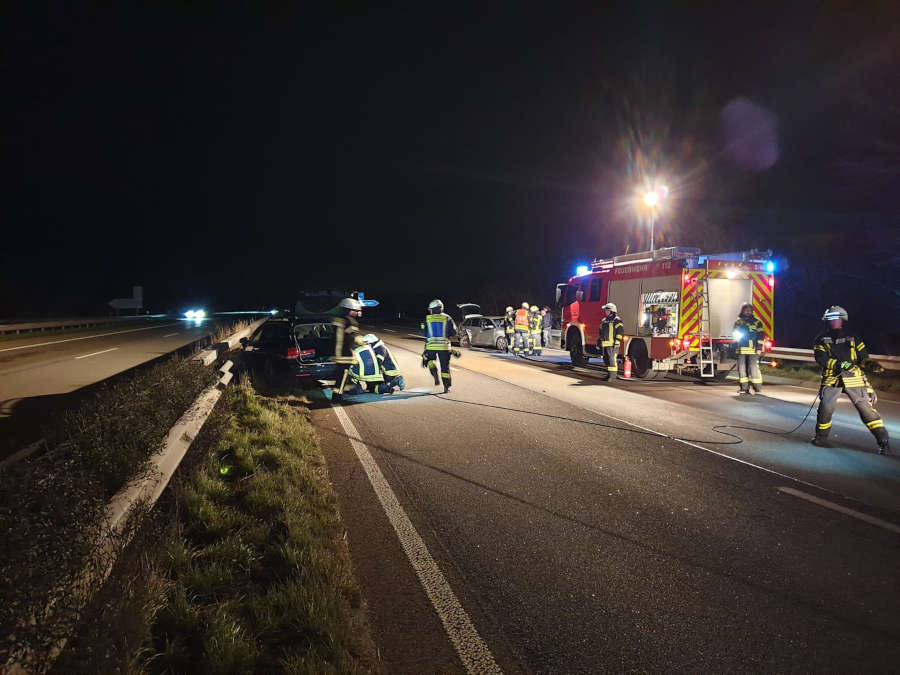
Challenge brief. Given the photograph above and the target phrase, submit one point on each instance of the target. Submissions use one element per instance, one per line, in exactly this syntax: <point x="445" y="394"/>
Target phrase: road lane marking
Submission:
<point x="84" y="356"/>
<point x="86" y="337"/>
<point x="872" y="520"/>
<point x="472" y="650"/>
<point x="170" y="335"/>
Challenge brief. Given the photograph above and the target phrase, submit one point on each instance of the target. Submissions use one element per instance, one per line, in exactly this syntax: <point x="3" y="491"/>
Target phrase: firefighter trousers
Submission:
<point x="611" y="361"/>
<point x="859" y="397"/>
<point x="510" y="341"/>
<point x="536" y="343"/>
<point x="748" y="372"/>
<point x="438" y="361"/>
<point x="522" y="341"/>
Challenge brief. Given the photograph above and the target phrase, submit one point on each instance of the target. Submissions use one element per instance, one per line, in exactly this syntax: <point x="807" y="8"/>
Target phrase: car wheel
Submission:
<point x="465" y="340"/>
<point x="501" y="344"/>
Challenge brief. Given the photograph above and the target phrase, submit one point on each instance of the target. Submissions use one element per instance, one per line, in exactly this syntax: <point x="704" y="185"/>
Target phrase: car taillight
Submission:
<point x="292" y="353"/>
<point x="308" y="352"/>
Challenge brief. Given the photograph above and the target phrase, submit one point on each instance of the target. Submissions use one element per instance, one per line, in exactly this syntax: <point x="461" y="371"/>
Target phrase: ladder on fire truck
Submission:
<point x="705" y="361"/>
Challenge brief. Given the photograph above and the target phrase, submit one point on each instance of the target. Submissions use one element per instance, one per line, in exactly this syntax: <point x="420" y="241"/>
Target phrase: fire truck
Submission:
<point x="678" y="306"/>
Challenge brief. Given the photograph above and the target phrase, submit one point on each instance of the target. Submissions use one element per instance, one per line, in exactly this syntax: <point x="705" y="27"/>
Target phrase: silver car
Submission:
<point x="482" y="331"/>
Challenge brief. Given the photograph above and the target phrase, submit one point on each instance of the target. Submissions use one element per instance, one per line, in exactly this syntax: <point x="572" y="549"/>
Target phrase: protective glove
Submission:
<point x="455" y="353"/>
<point x="846" y="365"/>
<point x="424" y="361"/>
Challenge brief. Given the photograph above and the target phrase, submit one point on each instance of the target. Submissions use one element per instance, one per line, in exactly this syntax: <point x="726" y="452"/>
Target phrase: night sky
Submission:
<point x="471" y="151"/>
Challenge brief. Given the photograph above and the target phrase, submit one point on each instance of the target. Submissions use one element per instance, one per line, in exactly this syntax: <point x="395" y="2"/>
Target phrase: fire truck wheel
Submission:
<point x="576" y="353"/>
<point x="642" y="366"/>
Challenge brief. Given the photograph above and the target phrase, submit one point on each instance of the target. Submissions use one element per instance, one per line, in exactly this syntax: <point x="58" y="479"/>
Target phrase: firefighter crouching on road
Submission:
<point x="534" y="324"/>
<point x="387" y="362"/>
<point x="611" y="332"/>
<point x="840" y="354"/>
<point x="748" y="333"/>
<point x="522" y="329"/>
<point x="509" y="324"/>
<point x="364" y="372"/>
<point x="438" y="328"/>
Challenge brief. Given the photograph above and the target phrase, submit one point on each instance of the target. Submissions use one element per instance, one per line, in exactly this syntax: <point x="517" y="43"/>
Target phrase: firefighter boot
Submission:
<point x="820" y="441"/>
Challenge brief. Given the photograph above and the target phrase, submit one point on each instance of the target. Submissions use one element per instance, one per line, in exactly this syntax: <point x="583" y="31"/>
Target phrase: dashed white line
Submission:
<point x="472" y="650"/>
<point x="872" y="520"/>
<point x="170" y="335"/>
<point x="86" y="337"/>
<point x="84" y="356"/>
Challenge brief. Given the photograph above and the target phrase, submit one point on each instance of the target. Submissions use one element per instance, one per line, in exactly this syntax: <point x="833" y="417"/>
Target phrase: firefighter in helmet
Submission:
<point x="509" y="324"/>
<point x="612" y="330"/>
<point x="522" y="329"/>
<point x="364" y="373"/>
<point x="840" y="352"/>
<point x="387" y="363"/>
<point x="748" y="333"/>
<point x="534" y="326"/>
<point x="438" y="328"/>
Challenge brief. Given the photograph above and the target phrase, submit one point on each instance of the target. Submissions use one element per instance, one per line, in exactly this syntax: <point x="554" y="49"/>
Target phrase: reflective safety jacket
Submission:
<point x="385" y="359"/>
<point x="509" y="323"/>
<point x="611" y="331"/>
<point x="344" y="330"/>
<point x="751" y="334"/>
<point x="366" y="367"/>
<point x="834" y="347"/>
<point x="521" y="320"/>
<point x="438" y="329"/>
<point x="534" y="321"/>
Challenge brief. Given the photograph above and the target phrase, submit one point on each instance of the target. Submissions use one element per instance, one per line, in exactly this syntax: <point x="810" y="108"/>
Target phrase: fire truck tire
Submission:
<point x="642" y="366"/>
<point x="576" y="352"/>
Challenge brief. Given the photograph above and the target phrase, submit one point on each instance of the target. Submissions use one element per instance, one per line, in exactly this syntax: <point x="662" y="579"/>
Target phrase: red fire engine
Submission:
<point x="678" y="306"/>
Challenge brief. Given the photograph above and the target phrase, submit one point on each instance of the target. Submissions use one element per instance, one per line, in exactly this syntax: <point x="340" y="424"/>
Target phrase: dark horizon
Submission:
<point x="236" y="157"/>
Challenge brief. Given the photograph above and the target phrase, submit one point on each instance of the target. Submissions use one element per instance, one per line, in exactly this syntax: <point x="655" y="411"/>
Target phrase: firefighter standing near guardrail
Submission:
<point x="534" y="325"/>
<point x="840" y="353"/>
<point x="438" y="328"/>
<point x="509" y="324"/>
<point x="387" y="362"/>
<point x="611" y="332"/>
<point x="522" y="329"/>
<point x="749" y="334"/>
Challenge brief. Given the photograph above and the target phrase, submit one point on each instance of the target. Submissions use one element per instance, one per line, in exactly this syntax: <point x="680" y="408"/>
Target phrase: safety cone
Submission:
<point x="626" y="372"/>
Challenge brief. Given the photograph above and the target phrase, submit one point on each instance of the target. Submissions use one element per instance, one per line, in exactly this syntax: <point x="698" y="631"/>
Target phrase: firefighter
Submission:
<point x="546" y="327"/>
<point x="438" y="328"/>
<point x="748" y="333"/>
<point x="840" y="353"/>
<point x="534" y="324"/>
<point x="522" y="329"/>
<point x="611" y="332"/>
<point x="364" y="372"/>
<point x="346" y="328"/>
<point x="509" y="323"/>
<point x="387" y="362"/>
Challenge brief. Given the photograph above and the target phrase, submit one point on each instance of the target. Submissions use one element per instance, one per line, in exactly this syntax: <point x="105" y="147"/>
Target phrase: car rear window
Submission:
<point x="318" y="336"/>
<point x="271" y="332"/>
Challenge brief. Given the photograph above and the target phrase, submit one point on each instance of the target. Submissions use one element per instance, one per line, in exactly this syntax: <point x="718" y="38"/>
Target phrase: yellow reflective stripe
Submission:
<point x="875" y="424"/>
<point x="826" y="425"/>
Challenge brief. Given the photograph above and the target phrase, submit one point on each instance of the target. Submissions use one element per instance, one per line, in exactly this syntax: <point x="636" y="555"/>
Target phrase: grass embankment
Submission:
<point x="245" y="569"/>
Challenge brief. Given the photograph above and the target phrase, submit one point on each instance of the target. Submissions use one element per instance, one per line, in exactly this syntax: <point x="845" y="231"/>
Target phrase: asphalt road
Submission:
<point x="40" y="373"/>
<point x="578" y="540"/>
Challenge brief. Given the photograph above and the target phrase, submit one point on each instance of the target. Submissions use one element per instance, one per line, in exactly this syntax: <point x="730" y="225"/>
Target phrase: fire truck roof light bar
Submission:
<point x="691" y="255"/>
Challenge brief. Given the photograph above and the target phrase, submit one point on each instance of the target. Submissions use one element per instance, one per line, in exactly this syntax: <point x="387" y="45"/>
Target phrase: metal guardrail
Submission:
<point x="886" y="361"/>
<point x="64" y="324"/>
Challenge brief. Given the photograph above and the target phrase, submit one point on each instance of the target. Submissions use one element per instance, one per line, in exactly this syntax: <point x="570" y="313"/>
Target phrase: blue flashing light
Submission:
<point x="581" y="270"/>
<point x="369" y="303"/>
<point x="770" y="267"/>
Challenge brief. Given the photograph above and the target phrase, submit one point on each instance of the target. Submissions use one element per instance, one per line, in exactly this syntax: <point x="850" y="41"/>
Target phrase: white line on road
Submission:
<point x="84" y="356"/>
<point x="472" y="650"/>
<point x="170" y="335"/>
<point x="872" y="520"/>
<point x="86" y="337"/>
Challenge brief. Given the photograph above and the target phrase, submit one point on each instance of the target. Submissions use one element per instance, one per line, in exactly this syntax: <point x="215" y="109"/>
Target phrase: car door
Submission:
<point x="485" y="333"/>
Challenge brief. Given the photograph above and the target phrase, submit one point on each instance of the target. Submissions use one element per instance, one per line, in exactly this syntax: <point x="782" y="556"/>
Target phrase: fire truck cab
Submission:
<point x="678" y="306"/>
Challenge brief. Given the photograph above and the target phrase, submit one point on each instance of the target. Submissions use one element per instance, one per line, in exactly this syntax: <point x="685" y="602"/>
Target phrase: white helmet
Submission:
<point x="525" y="305"/>
<point x="835" y="312"/>
<point x="611" y="306"/>
<point x="509" y="309"/>
<point x="436" y="304"/>
<point x="534" y="308"/>
<point x="370" y="338"/>
<point x="352" y="304"/>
